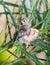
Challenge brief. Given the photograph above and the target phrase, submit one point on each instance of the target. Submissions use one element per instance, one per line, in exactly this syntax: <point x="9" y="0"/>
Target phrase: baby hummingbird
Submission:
<point x="26" y="34"/>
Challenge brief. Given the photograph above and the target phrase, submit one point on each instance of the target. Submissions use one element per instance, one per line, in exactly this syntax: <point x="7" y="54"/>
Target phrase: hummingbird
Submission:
<point x="25" y="33"/>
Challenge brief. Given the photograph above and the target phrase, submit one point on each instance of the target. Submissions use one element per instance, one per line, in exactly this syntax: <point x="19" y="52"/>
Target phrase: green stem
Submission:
<point x="12" y="53"/>
<point x="10" y="4"/>
<point x="37" y="24"/>
<point x="31" y="57"/>
<point x="12" y="17"/>
<point x="9" y="13"/>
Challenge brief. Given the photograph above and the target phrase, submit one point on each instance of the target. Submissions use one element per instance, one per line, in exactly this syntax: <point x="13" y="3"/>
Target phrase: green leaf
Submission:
<point x="25" y="8"/>
<point x="46" y="4"/>
<point x="9" y="4"/>
<point x="44" y="31"/>
<point x="47" y="59"/>
<point x="12" y="17"/>
<point x="2" y="37"/>
<point x="26" y="12"/>
<point x="19" y="48"/>
<point x="31" y="57"/>
<point x="7" y="46"/>
<point x="38" y="15"/>
<point x="48" y="16"/>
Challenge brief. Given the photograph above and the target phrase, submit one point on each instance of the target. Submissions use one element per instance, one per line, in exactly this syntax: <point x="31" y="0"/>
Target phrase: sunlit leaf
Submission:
<point x="2" y="37"/>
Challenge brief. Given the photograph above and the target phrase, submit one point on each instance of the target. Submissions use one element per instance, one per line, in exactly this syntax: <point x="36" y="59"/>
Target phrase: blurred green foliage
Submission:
<point x="39" y="20"/>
